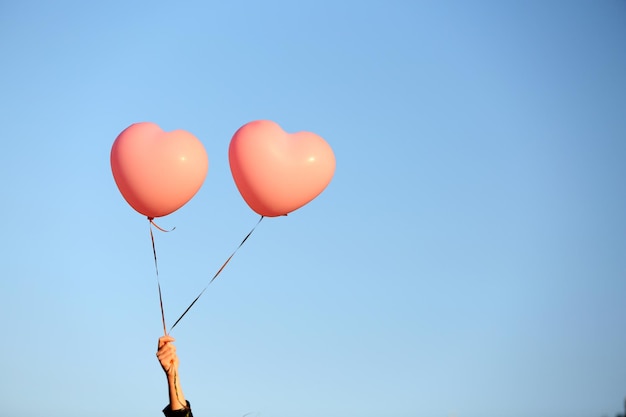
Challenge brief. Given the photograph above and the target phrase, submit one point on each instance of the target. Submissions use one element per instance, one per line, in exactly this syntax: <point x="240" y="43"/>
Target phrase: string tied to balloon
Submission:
<point x="156" y="267"/>
<point x="219" y="271"/>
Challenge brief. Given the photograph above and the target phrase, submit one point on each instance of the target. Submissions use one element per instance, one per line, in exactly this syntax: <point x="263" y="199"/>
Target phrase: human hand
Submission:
<point x="166" y="354"/>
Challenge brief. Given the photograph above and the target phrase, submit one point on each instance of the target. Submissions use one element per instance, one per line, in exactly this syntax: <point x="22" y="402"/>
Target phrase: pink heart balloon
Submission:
<point x="277" y="172"/>
<point x="157" y="172"/>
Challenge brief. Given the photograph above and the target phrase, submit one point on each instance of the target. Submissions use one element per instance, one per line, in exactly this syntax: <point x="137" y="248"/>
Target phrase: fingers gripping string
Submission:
<point x="219" y="271"/>
<point x="156" y="267"/>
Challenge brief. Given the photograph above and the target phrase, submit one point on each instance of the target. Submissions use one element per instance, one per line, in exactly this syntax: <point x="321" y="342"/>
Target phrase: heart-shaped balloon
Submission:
<point x="157" y="172"/>
<point x="277" y="172"/>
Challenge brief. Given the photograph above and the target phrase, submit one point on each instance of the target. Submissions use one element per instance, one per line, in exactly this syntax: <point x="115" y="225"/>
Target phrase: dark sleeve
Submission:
<point x="185" y="412"/>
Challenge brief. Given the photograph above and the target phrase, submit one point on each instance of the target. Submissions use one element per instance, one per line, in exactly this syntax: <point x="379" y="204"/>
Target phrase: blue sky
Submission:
<point x="468" y="258"/>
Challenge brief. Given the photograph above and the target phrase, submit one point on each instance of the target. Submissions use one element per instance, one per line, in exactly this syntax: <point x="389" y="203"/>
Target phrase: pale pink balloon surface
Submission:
<point x="277" y="172"/>
<point x="158" y="172"/>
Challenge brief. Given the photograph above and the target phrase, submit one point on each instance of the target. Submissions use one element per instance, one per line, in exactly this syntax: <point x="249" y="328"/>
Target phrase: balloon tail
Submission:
<point x="151" y="219"/>
<point x="219" y="271"/>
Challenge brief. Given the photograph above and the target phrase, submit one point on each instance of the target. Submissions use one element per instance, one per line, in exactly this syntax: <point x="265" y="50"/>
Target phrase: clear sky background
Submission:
<point x="468" y="258"/>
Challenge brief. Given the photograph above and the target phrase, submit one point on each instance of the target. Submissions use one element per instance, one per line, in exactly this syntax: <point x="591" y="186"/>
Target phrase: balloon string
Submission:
<point x="156" y="267"/>
<point x="219" y="271"/>
<point x="151" y="219"/>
